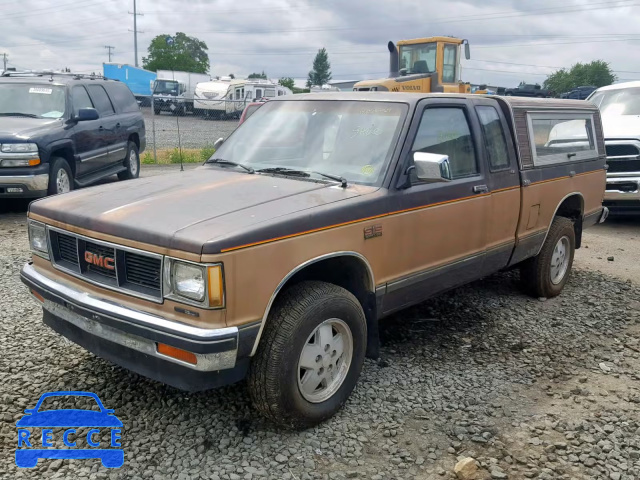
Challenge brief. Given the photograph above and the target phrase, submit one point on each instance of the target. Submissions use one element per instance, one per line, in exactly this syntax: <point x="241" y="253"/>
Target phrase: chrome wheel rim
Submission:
<point x="560" y="260"/>
<point x="325" y="360"/>
<point x="133" y="162"/>
<point x="63" y="184"/>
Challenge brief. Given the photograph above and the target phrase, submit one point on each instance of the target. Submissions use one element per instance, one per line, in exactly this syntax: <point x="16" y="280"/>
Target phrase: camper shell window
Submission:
<point x="561" y="137"/>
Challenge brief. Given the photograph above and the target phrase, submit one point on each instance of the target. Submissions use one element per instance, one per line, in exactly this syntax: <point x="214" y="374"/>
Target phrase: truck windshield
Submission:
<point x="420" y="58"/>
<point x="33" y="100"/>
<point x="166" y="87"/>
<point x="625" y="101"/>
<point x="350" y="139"/>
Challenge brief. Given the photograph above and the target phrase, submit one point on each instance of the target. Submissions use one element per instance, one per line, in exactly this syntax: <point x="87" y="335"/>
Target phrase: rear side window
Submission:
<point x="494" y="139"/>
<point x="122" y="97"/>
<point x="80" y="99"/>
<point x="101" y="100"/>
<point x="561" y="137"/>
<point x="446" y="131"/>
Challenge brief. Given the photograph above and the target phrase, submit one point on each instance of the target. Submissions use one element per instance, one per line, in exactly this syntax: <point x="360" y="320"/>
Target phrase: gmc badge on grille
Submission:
<point x="372" y="231"/>
<point x="99" y="260"/>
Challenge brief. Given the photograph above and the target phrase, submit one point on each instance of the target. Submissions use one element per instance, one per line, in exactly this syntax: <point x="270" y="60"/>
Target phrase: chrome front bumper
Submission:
<point x="33" y="183"/>
<point x="215" y="349"/>
<point x="621" y="188"/>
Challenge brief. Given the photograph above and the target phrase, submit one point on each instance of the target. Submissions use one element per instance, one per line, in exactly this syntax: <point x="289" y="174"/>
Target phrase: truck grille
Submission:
<point x="113" y="266"/>
<point x="623" y="165"/>
<point x="142" y="271"/>
<point x="622" y="151"/>
<point x="68" y="249"/>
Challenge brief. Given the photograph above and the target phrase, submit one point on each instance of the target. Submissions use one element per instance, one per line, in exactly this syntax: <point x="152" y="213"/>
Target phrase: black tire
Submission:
<point x="536" y="273"/>
<point x="156" y="110"/>
<point x="132" y="162"/>
<point x="58" y="165"/>
<point x="274" y="372"/>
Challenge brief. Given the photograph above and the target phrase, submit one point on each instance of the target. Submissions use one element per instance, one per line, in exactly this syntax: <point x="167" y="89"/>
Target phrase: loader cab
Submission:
<point x="430" y="64"/>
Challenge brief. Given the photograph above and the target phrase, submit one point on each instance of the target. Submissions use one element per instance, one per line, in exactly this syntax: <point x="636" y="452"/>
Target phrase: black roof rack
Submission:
<point x="44" y="73"/>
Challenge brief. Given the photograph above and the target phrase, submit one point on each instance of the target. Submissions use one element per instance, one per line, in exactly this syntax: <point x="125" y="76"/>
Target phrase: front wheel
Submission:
<point x="60" y="177"/>
<point x="310" y="355"/>
<point x="131" y="162"/>
<point x="546" y="274"/>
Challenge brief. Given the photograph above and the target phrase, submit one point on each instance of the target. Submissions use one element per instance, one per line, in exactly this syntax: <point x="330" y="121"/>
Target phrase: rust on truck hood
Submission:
<point x="185" y="211"/>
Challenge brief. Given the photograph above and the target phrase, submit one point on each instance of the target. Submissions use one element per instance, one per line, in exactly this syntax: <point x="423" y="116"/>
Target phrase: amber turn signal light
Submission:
<point x="216" y="286"/>
<point x="33" y="162"/>
<point x="39" y="297"/>
<point x="177" y="353"/>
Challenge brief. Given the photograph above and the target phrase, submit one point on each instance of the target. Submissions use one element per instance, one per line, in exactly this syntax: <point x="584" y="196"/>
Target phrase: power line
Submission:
<point x="109" y="47"/>
<point x="57" y="8"/>
<point x="4" y="57"/>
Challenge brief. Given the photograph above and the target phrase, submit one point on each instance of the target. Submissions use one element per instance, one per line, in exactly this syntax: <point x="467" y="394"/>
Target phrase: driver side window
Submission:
<point x="80" y="99"/>
<point x="445" y="130"/>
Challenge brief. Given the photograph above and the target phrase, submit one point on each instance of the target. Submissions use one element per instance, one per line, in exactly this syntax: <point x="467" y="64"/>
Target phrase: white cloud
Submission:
<point x="282" y="36"/>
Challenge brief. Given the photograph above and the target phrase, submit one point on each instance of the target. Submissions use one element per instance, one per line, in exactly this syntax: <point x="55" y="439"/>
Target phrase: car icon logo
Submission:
<point x="31" y="448"/>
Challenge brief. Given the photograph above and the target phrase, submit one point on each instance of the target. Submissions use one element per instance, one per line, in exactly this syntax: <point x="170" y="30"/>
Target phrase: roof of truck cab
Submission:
<point x="413" y="98"/>
<point x="47" y="79"/>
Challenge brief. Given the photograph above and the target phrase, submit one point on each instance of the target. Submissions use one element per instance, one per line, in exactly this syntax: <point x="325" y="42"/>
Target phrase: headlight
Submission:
<point x="38" y="239"/>
<point x="193" y="283"/>
<point x="189" y="281"/>
<point x="19" y="148"/>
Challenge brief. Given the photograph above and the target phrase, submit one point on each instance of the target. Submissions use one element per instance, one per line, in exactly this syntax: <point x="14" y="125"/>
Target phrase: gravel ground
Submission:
<point x="195" y="132"/>
<point x="528" y="388"/>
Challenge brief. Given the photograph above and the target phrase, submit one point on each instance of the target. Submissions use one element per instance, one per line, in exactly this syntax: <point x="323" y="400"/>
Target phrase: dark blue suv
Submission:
<point x="62" y="131"/>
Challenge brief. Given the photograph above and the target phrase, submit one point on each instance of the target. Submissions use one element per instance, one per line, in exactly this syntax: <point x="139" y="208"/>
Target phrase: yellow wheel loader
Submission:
<point x="423" y="65"/>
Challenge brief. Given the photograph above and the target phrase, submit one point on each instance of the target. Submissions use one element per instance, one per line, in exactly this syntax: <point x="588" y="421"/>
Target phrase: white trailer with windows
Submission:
<point x="245" y="91"/>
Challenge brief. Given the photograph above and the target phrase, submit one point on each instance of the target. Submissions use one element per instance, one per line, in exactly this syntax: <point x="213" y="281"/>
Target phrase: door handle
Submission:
<point x="480" y="189"/>
<point x="100" y="127"/>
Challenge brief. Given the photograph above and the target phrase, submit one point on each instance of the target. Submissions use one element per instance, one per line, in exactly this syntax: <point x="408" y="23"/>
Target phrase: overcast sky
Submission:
<point x="511" y="40"/>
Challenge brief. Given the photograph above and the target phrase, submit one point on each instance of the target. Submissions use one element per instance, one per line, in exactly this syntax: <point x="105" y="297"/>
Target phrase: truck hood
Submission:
<point x="23" y="128"/>
<point x="621" y="126"/>
<point x="184" y="211"/>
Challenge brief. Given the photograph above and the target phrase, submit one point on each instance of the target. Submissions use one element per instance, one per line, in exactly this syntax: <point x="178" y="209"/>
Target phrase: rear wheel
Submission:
<point x="310" y="355"/>
<point x="546" y="274"/>
<point x="132" y="162"/>
<point x="60" y="177"/>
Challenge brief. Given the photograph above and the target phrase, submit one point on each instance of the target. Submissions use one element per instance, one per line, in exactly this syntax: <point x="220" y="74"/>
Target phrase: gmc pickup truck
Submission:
<point x="316" y="218"/>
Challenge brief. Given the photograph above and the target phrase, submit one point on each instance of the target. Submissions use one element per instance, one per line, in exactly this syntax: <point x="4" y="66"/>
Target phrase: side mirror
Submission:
<point x="85" y="114"/>
<point x="218" y="142"/>
<point x="403" y="72"/>
<point x="432" y="167"/>
<point x="467" y="51"/>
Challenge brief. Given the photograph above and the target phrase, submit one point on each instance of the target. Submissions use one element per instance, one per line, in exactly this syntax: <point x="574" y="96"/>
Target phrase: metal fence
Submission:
<point x="186" y="125"/>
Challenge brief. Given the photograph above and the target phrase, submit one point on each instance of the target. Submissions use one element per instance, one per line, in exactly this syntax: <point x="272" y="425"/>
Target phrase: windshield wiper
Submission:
<point x="222" y="161"/>
<point x="18" y="114"/>
<point x="337" y="178"/>
<point x="285" y="171"/>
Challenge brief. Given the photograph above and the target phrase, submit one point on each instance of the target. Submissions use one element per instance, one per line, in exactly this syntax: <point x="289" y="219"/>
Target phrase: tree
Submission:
<point x="258" y="75"/>
<point x="321" y="73"/>
<point x="597" y="73"/>
<point x="232" y="76"/>
<point x="287" y="82"/>
<point x="186" y="54"/>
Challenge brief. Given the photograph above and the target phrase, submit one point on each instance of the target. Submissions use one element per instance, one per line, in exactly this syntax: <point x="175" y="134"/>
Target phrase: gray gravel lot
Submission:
<point x="529" y="388"/>
<point x="195" y="131"/>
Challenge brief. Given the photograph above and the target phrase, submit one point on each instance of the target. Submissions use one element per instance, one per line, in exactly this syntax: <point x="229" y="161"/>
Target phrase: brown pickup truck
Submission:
<point x="316" y="218"/>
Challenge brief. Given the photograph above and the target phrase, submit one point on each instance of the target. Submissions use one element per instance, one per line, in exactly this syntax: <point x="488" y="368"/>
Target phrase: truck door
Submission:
<point x="442" y="236"/>
<point x="91" y="147"/>
<point x="503" y="183"/>
<point x="109" y="125"/>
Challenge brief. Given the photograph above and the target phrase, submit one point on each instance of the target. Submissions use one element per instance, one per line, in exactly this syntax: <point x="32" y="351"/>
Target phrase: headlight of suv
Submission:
<point x="194" y="283"/>
<point x="20" y="155"/>
<point x="38" y="239"/>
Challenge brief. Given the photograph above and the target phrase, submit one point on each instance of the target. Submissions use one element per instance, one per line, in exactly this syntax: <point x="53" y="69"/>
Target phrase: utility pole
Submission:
<point x="135" y="30"/>
<point x="109" y="47"/>
<point x="4" y="56"/>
